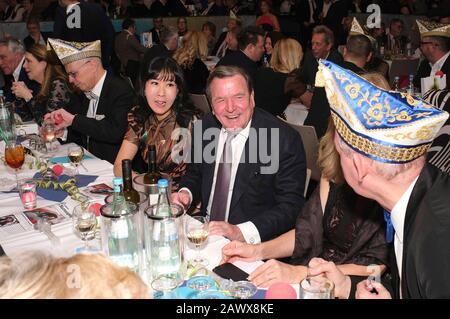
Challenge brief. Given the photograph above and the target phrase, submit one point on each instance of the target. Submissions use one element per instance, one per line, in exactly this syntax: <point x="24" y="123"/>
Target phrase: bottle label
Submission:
<point x="119" y="229"/>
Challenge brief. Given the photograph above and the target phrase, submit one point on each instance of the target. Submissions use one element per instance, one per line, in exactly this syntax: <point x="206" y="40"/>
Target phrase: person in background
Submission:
<point x="182" y="26"/>
<point x="43" y="66"/>
<point x="189" y="57"/>
<point x="230" y="44"/>
<point x="164" y="109"/>
<point x="233" y="22"/>
<point x="322" y="48"/>
<point x="435" y="47"/>
<point x="39" y="275"/>
<point x="158" y="26"/>
<point x="95" y="25"/>
<point x="270" y="93"/>
<point x="129" y="50"/>
<point x="209" y="29"/>
<point x="267" y="20"/>
<point x="99" y="122"/>
<point x="396" y="41"/>
<point x="35" y="36"/>
<point x="251" y="49"/>
<point x="17" y="12"/>
<point x="12" y="59"/>
<point x="269" y="42"/>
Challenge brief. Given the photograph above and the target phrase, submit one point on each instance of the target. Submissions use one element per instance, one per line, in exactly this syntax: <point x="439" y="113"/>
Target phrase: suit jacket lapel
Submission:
<point x="103" y="99"/>
<point x="423" y="183"/>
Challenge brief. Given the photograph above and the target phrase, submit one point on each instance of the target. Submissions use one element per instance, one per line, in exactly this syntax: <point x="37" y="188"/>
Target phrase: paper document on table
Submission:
<point x="18" y="223"/>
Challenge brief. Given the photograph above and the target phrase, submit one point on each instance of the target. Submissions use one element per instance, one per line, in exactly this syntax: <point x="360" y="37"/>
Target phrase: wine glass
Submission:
<point x="75" y="154"/>
<point x="84" y="222"/>
<point x="197" y="234"/>
<point x="49" y="133"/>
<point x="14" y="156"/>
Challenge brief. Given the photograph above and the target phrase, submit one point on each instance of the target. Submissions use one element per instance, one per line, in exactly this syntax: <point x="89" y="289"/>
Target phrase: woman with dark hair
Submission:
<point x="164" y="108"/>
<point x="44" y="67"/>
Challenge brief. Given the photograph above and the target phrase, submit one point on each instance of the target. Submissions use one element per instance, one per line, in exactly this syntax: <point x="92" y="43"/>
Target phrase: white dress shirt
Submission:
<point x="398" y="214"/>
<point x="312" y="8"/>
<point x="97" y="90"/>
<point x="438" y="64"/>
<point x="16" y="72"/>
<point x="248" y="229"/>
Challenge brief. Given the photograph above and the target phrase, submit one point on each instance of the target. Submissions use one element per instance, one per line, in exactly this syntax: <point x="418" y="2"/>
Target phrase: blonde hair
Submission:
<point x="39" y="275"/>
<point x="195" y="45"/>
<point x="287" y="55"/>
<point x="328" y="158"/>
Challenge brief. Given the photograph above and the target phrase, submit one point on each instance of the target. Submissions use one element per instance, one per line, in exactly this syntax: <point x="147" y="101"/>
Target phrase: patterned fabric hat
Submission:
<point x="357" y="29"/>
<point x="386" y="126"/>
<point x="69" y="52"/>
<point x="433" y="29"/>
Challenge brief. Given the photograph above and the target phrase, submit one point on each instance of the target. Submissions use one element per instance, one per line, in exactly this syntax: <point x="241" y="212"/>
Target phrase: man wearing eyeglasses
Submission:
<point x="100" y="121"/>
<point x="435" y="46"/>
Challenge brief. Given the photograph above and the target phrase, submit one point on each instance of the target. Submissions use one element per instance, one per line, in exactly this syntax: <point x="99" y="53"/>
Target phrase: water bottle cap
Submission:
<point x="163" y="183"/>
<point x="117" y="181"/>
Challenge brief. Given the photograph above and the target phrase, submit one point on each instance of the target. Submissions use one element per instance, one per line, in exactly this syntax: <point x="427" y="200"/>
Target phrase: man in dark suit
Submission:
<point x="435" y="46"/>
<point x="233" y="22"/>
<point x="99" y="122"/>
<point x="247" y="197"/>
<point x="158" y="26"/>
<point x="322" y="48"/>
<point x="11" y="63"/>
<point x="249" y="53"/>
<point x="84" y="22"/>
<point x="357" y="53"/>
<point x="384" y="158"/>
<point x="307" y="13"/>
<point x="177" y="8"/>
<point x="35" y="34"/>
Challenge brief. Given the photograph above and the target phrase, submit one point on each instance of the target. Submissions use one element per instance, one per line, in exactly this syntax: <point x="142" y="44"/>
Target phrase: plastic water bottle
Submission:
<point x="6" y="120"/>
<point x="410" y="89"/>
<point x="396" y="84"/>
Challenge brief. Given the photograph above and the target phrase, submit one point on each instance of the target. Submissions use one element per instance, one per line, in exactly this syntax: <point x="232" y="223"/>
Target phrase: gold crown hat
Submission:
<point x="433" y="29"/>
<point x="233" y="16"/>
<point x="69" y="52"/>
<point x="358" y="29"/>
<point x="386" y="126"/>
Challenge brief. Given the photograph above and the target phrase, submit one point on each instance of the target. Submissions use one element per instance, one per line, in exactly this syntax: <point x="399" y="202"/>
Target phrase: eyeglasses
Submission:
<point x="75" y="74"/>
<point x="426" y="42"/>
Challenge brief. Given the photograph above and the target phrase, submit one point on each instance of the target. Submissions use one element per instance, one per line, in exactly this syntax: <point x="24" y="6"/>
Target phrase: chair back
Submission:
<point x="201" y="102"/>
<point x="311" y="146"/>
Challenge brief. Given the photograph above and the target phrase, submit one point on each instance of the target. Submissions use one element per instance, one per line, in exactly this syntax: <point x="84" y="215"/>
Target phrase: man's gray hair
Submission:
<point x="167" y="33"/>
<point x="329" y="36"/>
<point x="14" y="45"/>
<point x="227" y="71"/>
<point x="387" y="170"/>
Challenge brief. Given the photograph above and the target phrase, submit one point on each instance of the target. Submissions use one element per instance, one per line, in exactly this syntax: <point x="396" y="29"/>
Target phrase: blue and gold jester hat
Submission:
<point x="69" y="52"/>
<point x="386" y="126"/>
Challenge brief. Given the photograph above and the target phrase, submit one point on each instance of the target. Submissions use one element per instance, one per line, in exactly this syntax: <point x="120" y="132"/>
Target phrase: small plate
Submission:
<point x="211" y="294"/>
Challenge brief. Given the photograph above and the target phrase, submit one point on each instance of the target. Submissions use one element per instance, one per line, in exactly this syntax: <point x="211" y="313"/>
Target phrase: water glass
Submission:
<point x="317" y="287"/>
<point x="28" y="194"/>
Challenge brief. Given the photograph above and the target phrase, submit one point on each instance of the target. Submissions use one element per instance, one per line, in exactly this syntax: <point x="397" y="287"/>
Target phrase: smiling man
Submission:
<point x="100" y="121"/>
<point x="251" y="184"/>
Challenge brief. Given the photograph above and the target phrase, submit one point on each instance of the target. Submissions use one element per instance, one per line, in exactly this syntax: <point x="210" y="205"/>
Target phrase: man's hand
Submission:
<point x="237" y="250"/>
<point x="367" y="289"/>
<point x="61" y="117"/>
<point x="20" y="90"/>
<point x="342" y="283"/>
<point x="232" y="232"/>
<point x="181" y="198"/>
<point x="274" y="271"/>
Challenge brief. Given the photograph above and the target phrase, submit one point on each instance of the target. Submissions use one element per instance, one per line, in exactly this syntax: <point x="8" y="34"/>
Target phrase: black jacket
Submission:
<point x="107" y="130"/>
<point x="238" y="58"/>
<point x="95" y="25"/>
<point x="425" y="70"/>
<point x="29" y="41"/>
<point x="271" y="201"/>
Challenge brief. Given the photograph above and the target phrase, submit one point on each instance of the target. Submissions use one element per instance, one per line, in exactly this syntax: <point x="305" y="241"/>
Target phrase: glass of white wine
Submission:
<point x="84" y="222"/>
<point x="75" y="154"/>
<point x="197" y="233"/>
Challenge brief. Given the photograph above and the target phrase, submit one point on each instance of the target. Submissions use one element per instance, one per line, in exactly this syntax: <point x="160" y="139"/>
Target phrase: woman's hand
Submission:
<point x="20" y="90"/>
